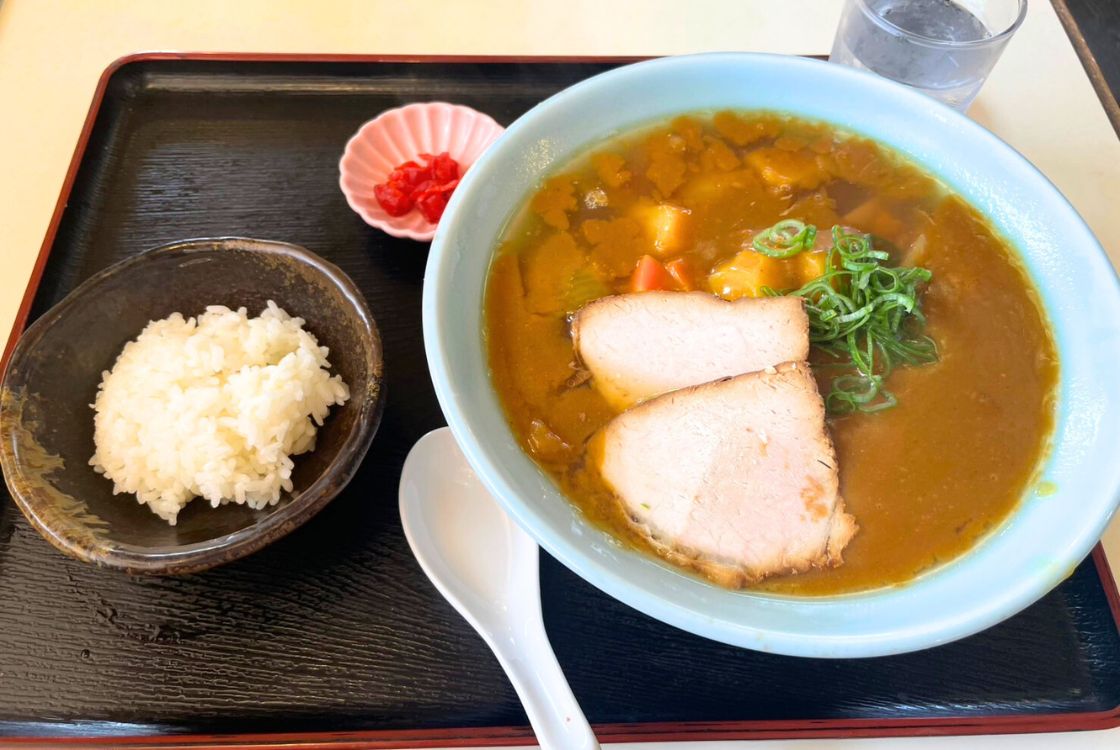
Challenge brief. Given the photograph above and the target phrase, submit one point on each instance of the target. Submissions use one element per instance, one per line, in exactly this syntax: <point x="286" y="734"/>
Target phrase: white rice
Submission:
<point x="213" y="407"/>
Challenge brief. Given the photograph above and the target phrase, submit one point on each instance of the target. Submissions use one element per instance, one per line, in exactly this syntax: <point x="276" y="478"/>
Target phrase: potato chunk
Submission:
<point x="666" y="225"/>
<point x="746" y="274"/>
<point x="811" y="266"/>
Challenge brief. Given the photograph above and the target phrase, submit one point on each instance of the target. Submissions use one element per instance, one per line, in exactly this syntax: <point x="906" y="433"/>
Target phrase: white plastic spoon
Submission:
<point x="486" y="566"/>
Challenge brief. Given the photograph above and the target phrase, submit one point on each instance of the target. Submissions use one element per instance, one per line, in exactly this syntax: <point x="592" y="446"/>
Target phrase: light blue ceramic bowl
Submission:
<point x="1015" y="565"/>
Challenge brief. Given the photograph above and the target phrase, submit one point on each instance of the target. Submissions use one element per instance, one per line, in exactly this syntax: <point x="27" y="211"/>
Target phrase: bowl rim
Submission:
<point x="487" y="461"/>
<point x="209" y="553"/>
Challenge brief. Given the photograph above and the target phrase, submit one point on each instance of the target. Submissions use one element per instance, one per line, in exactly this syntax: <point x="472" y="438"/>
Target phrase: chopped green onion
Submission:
<point x="785" y="239"/>
<point x="865" y="315"/>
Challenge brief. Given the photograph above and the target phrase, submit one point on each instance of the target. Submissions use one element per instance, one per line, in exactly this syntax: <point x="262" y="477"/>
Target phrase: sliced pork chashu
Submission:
<point x="736" y="478"/>
<point x="637" y="346"/>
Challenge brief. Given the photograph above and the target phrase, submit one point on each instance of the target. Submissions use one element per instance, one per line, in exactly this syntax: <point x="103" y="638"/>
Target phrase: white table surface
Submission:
<point x="52" y="53"/>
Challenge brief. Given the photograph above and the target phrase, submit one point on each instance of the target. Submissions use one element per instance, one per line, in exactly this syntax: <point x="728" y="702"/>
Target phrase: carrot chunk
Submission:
<point x="649" y="275"/>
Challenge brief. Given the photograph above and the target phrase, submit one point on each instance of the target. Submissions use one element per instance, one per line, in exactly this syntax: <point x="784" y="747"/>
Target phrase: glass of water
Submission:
<point x="943" y="48"/>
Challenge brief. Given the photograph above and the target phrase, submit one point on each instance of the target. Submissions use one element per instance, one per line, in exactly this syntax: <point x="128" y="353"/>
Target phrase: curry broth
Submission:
<point x="925" y="479"/>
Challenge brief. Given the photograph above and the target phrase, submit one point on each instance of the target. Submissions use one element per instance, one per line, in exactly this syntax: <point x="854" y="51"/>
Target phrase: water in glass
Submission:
<point x="927" y="44"/>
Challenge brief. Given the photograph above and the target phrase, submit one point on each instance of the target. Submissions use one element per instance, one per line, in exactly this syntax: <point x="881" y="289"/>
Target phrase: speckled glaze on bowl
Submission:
<point x="1035" y="549"/>
<point x="401" y="134"/>
<point x="46" y="424"/>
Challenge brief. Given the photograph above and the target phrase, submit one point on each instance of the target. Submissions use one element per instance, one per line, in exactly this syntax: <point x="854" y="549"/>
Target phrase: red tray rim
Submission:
<point x="512" y="736"/>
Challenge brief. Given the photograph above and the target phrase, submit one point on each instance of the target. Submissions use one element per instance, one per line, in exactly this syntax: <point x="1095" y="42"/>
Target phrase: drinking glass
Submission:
<point x="943" y="48"/>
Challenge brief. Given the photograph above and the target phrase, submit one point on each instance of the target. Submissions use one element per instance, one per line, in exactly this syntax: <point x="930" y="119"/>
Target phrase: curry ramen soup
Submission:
<point x="924" y="479"/>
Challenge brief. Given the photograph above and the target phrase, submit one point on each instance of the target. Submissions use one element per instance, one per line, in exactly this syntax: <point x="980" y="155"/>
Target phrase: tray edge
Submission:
<point x="1089" y="63"/>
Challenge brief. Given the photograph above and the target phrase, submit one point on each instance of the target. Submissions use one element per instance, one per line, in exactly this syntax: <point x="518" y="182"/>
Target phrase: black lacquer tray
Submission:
<point x="333" y="635"/>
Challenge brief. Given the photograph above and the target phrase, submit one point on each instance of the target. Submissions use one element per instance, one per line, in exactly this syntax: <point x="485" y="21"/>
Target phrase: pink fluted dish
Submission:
<point x="398" y="135"/>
